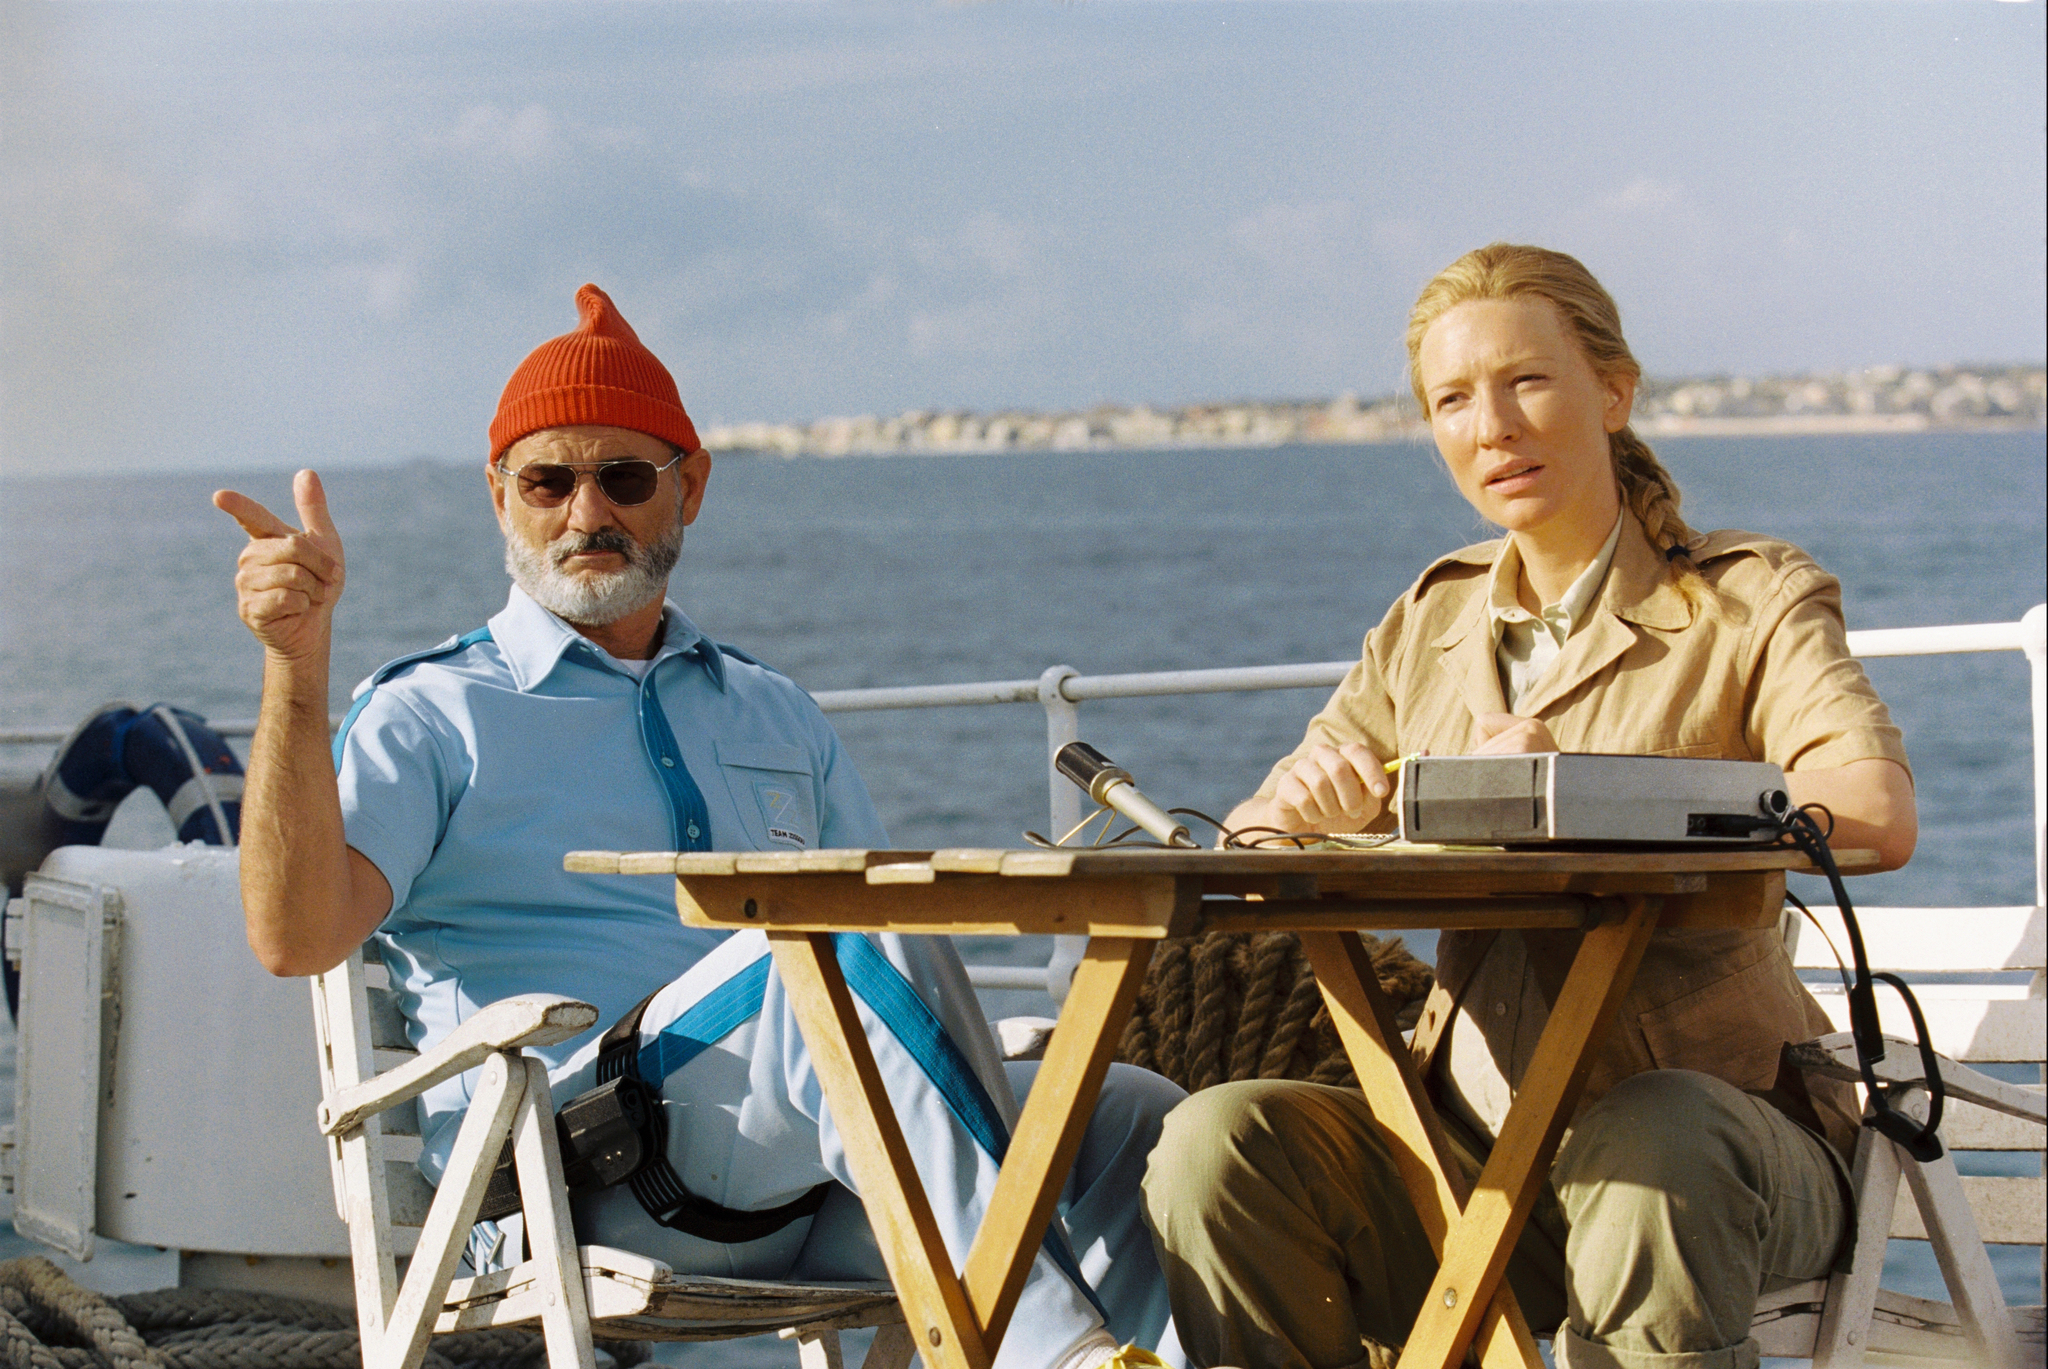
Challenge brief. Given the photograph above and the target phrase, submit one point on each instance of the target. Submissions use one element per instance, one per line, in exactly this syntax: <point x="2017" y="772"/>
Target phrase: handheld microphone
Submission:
<point x="1110" y="785"/>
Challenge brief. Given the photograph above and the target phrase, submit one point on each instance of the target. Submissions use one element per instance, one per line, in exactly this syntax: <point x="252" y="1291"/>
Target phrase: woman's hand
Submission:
<point x="1504" y="734"/>
<point x="1331" y="789"/>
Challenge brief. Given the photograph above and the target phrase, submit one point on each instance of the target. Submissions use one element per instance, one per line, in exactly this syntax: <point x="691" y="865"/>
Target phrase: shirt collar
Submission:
<point x="1641" y="588"/>
<point x="1504" y="604"/>
<point x="535" y="642"/>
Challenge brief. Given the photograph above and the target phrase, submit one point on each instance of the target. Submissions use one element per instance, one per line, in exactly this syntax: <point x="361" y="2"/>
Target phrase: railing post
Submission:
<point x="2034" y="641"/>
<point x="1062" y="725"/>
<point x="2034" y="630"/>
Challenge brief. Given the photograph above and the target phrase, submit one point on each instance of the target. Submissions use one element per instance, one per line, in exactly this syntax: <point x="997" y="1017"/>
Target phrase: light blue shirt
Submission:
<point x="466" y="775"/>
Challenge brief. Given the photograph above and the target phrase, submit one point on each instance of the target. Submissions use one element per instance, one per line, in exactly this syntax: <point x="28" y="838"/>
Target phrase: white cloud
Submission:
<point x="526" y="134"/>
<point x="391" y="288"/>
<point x="1643" y="195"/>
<point x="1303" y="235"/>
<point x="214" y="211"/>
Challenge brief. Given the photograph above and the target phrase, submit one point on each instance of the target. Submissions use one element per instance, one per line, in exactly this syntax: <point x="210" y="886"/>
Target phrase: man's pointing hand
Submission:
<point x="287" y="581"/>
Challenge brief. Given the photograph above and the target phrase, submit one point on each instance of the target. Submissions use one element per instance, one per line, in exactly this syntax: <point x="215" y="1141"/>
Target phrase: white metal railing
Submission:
<point x="1061" y="689"/>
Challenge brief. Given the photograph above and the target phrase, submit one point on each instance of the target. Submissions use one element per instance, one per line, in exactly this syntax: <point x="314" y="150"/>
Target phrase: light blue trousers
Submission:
<point x="749" y="1128"/>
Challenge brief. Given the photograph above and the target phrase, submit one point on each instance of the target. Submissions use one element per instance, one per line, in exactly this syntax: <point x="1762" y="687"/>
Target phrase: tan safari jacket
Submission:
<point x="1758" y="669"/>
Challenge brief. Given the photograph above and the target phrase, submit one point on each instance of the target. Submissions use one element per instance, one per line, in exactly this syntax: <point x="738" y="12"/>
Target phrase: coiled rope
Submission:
<point x="49" y="1322"/>
<point x="1242" y="1005"/>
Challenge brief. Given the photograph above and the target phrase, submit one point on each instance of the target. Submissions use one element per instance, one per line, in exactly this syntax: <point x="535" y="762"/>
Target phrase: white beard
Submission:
<point x="593" y="599"/>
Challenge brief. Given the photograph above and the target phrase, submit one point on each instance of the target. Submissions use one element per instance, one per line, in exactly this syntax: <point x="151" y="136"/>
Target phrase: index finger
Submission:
<point x="256" y="520"/>
<point x="311" y="497"/>
<point x="1371" y="769"/>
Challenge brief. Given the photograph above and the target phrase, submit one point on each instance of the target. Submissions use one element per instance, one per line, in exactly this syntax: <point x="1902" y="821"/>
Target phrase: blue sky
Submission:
<point x="242" y="235"/>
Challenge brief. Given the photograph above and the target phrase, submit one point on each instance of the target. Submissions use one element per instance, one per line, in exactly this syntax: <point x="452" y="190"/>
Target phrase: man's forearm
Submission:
<point x="296" y="881"/>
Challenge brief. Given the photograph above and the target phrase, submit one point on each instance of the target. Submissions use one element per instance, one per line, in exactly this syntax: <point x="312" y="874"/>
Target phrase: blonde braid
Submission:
<point x="1650" y="493"/>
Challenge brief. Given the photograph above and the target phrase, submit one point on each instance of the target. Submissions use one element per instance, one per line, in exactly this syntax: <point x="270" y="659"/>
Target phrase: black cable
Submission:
<point x="1799" y="828"/>
<point x="1841" y="968"/>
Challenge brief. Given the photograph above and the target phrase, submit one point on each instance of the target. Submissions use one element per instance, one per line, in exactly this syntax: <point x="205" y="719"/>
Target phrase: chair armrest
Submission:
<point x="1834" y="1057"/>
<point x="539" y="1019"/>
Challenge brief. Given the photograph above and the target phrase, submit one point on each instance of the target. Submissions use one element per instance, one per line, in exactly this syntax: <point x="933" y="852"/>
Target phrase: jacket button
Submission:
<point x="693" y="831"/>
<point x="669" y="761"/>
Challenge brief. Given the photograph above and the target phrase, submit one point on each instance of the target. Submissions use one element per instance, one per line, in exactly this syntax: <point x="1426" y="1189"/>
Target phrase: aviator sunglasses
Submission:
<point x="549" y="484"/>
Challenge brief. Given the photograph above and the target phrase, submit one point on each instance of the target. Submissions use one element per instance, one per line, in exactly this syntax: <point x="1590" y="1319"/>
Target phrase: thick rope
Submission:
<point x="20" y="1347"/>
<point x="1172" y="969"/>
<point x="1270" y="960"/>
<point x="1304" y="1000"/>
<point x="80" y="1316"/>
<point x="1217" y="992"/>
<point x="49" y="1322"/>
<point x="1233" y="1005"/>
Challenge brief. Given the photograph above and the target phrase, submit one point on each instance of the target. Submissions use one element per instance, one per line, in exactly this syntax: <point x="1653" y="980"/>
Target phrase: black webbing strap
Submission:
<point x="656" y="1185"/>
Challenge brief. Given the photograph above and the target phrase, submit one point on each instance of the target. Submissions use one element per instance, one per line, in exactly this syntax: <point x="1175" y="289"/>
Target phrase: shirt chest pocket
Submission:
<point x="774" y="792"/>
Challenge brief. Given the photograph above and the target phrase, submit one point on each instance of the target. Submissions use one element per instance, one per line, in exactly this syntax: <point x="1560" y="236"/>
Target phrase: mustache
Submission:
<point x="603" y="539"/>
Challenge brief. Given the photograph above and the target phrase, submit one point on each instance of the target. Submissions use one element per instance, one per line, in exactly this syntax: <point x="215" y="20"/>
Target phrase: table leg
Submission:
<point x="1477" y="1247"/>
<point x="1050" y="1131"/>
<point x="1393" y="1086"/>
<point x="934" y="1304"/>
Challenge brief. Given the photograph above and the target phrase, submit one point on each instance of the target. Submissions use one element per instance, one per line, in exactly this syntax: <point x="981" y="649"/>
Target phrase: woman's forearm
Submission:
<point x="1873" y="807"/>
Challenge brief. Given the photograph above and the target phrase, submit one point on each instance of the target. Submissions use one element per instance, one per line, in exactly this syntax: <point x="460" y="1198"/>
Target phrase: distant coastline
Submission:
<point x="1883" y="399"/>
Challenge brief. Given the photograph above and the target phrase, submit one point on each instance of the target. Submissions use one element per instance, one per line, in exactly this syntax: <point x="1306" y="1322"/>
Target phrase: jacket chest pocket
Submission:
<point x="774" y="791"/>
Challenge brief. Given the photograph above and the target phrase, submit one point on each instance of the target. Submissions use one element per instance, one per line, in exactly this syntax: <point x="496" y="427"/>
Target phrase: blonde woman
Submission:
<point x="1697" y="1173"/>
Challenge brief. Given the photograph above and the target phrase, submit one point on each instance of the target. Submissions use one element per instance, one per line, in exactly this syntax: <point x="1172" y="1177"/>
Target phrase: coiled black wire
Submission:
<point x="1801" y="828"/>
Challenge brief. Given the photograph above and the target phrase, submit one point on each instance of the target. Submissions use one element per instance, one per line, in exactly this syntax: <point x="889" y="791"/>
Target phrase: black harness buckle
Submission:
<point x="617" y="1133"/>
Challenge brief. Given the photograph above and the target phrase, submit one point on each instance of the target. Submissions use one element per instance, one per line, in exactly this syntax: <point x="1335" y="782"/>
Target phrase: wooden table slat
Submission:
<point x="1380" y="864"/>
<point x="906" y="872"/>
<point x="957" y="905"/>
<point x="657" y="862"/>
<point x="970" y="860"/>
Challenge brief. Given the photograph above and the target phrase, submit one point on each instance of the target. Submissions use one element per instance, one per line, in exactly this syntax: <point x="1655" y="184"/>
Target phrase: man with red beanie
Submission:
<point x="591" y="713"/>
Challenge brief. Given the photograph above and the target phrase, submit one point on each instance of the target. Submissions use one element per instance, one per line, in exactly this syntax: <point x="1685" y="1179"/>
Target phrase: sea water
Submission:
<point x="896" y="570"/>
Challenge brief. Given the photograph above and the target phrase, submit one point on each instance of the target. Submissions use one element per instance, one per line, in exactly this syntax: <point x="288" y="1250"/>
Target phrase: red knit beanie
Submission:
<point x="600" y="373"/>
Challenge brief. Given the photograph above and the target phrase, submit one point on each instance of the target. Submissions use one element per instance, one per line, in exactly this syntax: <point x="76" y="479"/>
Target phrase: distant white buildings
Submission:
<point x="1881" y="399"/>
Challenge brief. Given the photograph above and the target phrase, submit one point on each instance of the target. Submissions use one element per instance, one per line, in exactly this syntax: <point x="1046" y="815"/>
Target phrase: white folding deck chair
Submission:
<point x="1840" y="1321"/>
<point x="369" y="1076"/>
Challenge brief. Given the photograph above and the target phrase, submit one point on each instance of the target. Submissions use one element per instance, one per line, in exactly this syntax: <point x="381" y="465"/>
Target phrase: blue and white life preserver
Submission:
<point x="118" y="750"/>
<point x="121" y="748"/>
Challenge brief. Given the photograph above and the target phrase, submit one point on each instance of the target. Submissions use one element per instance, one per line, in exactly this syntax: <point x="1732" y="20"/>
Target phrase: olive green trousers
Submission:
<point x="1288" y="1239"/>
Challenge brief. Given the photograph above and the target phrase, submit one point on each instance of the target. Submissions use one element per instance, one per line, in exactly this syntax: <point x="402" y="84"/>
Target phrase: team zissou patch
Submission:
<point x="783" y="814"/>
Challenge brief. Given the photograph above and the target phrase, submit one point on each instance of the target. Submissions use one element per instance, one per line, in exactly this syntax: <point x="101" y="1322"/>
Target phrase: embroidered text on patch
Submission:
<point x="776" y="805"/>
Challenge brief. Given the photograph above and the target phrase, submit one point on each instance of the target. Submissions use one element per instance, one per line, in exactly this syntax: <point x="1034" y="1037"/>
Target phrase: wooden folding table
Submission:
<point x="1125" y="901"/>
